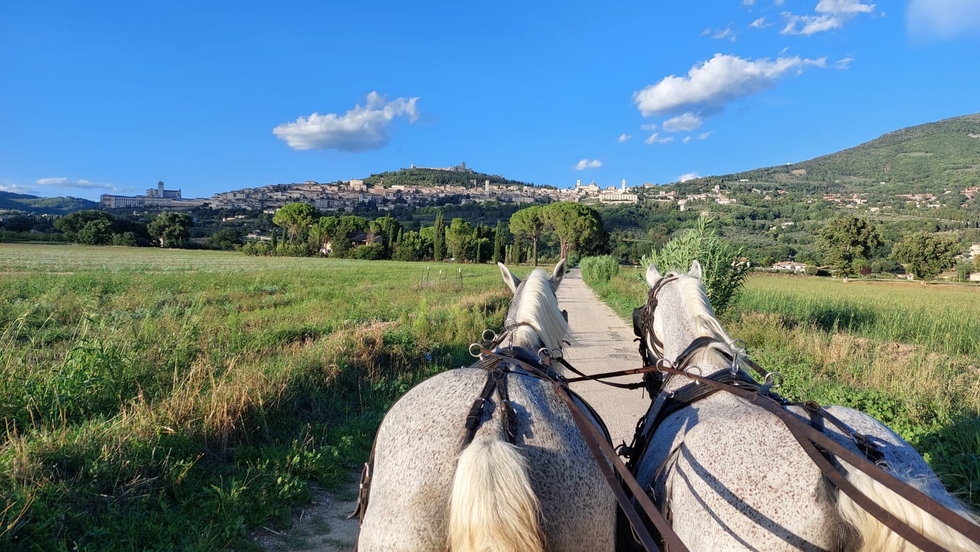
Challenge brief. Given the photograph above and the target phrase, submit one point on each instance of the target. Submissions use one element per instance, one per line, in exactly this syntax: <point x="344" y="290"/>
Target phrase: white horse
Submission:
<point x="430" y="492"/>
<point x="731" y="475"/>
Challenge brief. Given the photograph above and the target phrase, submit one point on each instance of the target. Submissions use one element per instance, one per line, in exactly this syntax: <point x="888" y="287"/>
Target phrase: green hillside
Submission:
<point x="934" y="158"/>
<point x="438" y="177"/>
<point x="43" y="205"/>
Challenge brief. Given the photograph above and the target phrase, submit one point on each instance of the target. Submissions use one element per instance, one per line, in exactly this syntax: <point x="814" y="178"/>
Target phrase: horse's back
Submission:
<point x="420" y="439"/>
<point x="734" y="463"/>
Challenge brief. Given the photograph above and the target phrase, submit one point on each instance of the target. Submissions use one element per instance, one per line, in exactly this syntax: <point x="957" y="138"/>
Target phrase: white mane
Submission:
<point x="699" y="308"/>
<point x="539" y="309"/>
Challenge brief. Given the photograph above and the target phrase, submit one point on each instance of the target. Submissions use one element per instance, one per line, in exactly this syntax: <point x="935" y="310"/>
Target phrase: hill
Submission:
<point x="43" y="205"/>
<point x="929" y="158"/>
<point x="454" y="176"/>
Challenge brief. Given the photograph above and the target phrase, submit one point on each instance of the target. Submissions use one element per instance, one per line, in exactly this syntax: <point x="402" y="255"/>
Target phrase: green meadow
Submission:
<point x="906" y="353"/>
<point x="160" y="399"/>
<point x="170" y="399"/>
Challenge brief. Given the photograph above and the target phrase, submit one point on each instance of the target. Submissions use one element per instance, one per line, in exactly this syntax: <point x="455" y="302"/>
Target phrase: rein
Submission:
<point x="818" y="446"/>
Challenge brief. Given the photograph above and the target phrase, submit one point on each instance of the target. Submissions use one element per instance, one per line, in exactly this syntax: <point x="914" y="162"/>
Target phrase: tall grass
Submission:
<point x="906" y="354"/>
<point x="157" y="399"/>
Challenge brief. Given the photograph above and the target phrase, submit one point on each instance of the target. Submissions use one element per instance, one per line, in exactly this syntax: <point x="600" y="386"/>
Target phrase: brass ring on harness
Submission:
<point x="698" y="373"/>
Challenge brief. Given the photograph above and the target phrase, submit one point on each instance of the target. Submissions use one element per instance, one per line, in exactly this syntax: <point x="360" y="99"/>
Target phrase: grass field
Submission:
<point x="906" y="353"/>
<point x="161" y="400"/>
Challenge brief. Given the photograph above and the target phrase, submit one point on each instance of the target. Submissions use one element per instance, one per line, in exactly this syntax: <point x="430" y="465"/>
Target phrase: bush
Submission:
<point x="721" y="262"/>
<point x="597" y="270"/>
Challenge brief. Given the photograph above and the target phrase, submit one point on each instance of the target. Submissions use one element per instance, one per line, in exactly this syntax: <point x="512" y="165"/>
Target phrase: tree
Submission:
<point x="498" y="243"/>
<point x="573" y="224"/>
<point x="172" y="229"/>
<point x="96" y="232"/>
<point x="845" y="241"/>
<point x="459" y="237"/>
<point x="723" y="270"/>
<point x="295" y="218"/>
<point x="925" y="254"/>
<point x="73" y="223"/>
<point x="528" y="224"/>
<point x="323" y="231"/>
<point x="413" y="246"/>
<point x="226" y="238"/>
<point x="438" y="237"/>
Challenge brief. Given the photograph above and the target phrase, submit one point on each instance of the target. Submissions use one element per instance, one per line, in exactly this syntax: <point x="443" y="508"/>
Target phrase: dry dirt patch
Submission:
<point x="320" y="526"/>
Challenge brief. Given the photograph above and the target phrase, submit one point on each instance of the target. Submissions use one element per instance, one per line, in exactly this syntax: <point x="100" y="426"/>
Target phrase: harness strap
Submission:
<point x="604" y="455"/>
<point x="809" y="438"/>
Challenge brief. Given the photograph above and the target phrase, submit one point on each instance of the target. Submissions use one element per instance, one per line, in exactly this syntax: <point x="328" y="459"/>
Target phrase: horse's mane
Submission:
<point x="538" y="308"/>
<point x="702" y="315"/>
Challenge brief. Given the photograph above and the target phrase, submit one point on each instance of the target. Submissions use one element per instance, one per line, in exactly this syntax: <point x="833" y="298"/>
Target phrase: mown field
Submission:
<point x="906" y="353"/>
<point x="162" y="400"/>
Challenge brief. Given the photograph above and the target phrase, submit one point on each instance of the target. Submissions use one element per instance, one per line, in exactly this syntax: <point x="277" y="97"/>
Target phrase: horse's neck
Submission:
<point x="704" y="363"/>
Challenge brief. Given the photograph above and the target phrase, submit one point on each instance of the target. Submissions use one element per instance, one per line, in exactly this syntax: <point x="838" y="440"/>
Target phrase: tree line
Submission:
<point x="565" y="227"/>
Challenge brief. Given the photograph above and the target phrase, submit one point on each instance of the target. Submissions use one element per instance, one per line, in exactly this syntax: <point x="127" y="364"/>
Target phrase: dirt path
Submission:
<point x="603" y="342"/>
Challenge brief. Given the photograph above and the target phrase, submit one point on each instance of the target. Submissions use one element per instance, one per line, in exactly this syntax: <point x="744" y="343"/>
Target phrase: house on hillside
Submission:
<point x="789" y="266"/>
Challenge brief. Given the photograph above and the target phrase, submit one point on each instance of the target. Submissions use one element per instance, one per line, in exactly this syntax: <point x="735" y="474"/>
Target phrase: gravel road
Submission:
<point x="602" y="342"/>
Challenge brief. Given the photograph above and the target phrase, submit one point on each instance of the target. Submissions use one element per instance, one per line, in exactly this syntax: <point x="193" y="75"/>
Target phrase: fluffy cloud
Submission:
<point x="657" y="139"/>
<point x="759" y="23"/>
<point x="360" y="129"/>
<point x="683" y="122"/>
<point x="649" y="127"/>
<point x="586" y="164"/>
<point x="715" y="82"/>
<point x="942" y="19"/>
<point x="688" y="176"/>
<point x="704" y="135"/>
<point x="16" y="189"/>
<point x="624" y="137"/>
<point x="833" y="14"/>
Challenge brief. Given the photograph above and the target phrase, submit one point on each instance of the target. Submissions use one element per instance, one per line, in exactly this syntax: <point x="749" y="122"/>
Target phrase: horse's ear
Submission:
<point x="695" y="269"/>
<point x="558" y="275"/>
<point x="509" y="279"/>
<point x="652" y="275"/>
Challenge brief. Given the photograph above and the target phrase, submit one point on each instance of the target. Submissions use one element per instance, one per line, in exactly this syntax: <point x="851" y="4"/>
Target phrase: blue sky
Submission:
<point x="110" y="97"/>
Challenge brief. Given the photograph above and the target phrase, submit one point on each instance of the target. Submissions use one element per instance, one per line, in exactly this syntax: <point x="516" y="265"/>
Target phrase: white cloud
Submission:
<point x="942" y="19"/>
<point x="704" y="135"/>
<point x="624" y="137"/>
<point x="686" y="139"/>
<point x="843" y="63"/>
<point x="833" y="15"/>
<point x="586" y="164"/>
<point x="685" y="121"/>
<point x="727" y="32"/>
<point x="360" y="129"/>
<point x="779" y="2"/>
<point x="657" y="139"/>
<point x="748" y="2"/>
<point x="759" y="23"/>
<point x="649" y="127"/>
<point x="715" y="82"/>
<point x="688" y="176"/>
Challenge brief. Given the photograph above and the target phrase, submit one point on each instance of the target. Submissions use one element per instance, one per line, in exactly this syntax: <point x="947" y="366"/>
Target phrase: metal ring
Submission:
<point x="739" y="346"/>
<point x="544" y="353"/>
<point x="771" y="378"/>
<point x="699" y="374"/>
<point x="478" y="347"/>
<point x="493" y="335"/>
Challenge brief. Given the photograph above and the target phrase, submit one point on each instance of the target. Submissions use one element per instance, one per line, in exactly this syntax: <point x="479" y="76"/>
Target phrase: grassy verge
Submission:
<point x="906" y="354"/>
<point x="161" y="400"/>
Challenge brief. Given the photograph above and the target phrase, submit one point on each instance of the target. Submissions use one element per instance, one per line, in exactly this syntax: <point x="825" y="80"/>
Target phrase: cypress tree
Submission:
<point x="437" y="238"/>
<point x="498" y="243"/>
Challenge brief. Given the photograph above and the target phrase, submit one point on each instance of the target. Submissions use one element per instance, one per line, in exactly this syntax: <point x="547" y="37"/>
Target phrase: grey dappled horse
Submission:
<point x="544" y="492"/>
<point x="732" y="476"/>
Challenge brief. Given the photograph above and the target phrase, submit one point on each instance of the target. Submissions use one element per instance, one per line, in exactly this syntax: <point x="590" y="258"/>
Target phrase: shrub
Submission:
<point x="721" y="262"/>
<point x="596" y="270"/>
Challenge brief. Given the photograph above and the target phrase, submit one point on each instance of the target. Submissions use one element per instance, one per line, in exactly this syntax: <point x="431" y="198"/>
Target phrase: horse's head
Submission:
<point x="678" y="312"/>
<point x="534" y="317"/>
